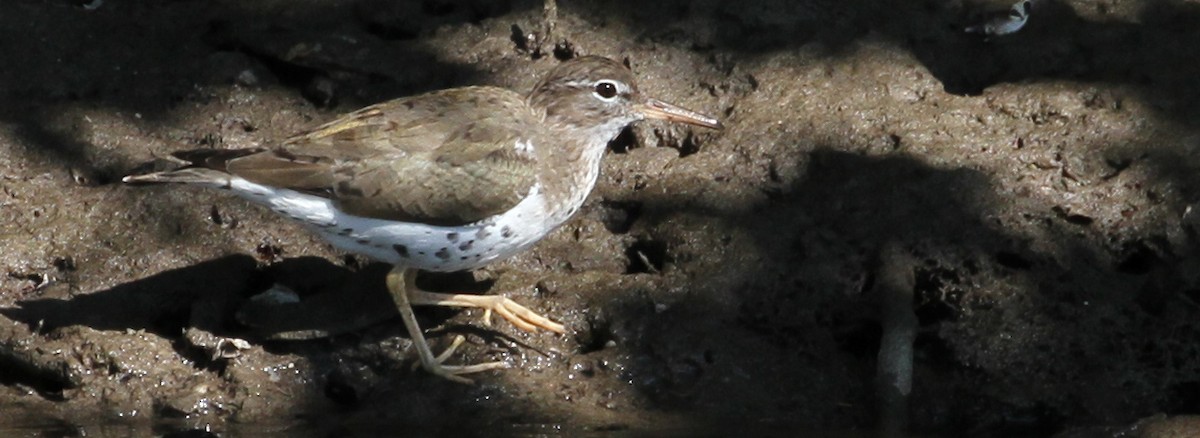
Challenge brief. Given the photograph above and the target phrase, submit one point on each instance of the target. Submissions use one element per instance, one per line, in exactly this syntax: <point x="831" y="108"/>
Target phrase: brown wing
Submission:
<point x="445" y="158"/>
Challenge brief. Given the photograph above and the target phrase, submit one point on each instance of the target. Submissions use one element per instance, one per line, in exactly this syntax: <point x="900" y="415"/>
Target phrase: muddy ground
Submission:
<point x="1041" y="187"/>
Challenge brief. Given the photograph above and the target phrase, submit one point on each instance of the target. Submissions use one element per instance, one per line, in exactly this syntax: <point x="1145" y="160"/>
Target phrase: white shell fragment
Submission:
<point x="1004" y="22"/>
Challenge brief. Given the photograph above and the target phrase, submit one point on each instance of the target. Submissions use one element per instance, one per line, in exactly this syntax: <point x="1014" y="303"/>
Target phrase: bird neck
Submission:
<point x="570" y="169"/>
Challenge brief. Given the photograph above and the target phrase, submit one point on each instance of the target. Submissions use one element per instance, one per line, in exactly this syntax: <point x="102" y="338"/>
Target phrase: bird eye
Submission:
<point x="606" y="90"/>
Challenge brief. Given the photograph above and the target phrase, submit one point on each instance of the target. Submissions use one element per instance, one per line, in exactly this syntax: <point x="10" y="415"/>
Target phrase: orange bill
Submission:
<point x="657" y="109"/>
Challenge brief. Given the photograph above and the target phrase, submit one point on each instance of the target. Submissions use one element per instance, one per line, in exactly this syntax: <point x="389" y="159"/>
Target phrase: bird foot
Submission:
<point x="404" y="291"/>
<point x="517" y="314"/>
<point x="453" y="372"/>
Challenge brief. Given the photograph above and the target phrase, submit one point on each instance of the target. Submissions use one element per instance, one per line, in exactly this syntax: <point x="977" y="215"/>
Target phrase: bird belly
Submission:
<point x="416" y="245"/>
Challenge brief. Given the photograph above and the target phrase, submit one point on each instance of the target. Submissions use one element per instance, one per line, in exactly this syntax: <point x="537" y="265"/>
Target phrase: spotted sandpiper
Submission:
<point x="445" y="181"/>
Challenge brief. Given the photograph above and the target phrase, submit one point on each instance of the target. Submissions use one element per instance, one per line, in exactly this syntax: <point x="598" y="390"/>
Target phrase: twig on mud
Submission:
<point x="646" y="261"/>
<point x="893" y="373"/>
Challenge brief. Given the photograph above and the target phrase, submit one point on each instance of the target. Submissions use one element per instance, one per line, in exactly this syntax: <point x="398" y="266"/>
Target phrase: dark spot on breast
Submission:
<point x="452" y="237"/>
<point x="443" y="253"/>
<point x="466" y="245"/>
<point x="506" y="232"/>
<point x="483" y="233"/>
<point x="345" y="231"/>
<point x="401" y="249"/>
<point x="463" y="258"/>
<point x="362" y="241"/>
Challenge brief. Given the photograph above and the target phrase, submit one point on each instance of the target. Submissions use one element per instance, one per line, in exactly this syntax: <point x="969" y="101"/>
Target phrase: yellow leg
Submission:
<point x="400" y="283"/>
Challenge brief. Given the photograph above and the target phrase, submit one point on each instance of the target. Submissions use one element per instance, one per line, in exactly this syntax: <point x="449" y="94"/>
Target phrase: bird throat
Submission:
<point x="570" y="173"/>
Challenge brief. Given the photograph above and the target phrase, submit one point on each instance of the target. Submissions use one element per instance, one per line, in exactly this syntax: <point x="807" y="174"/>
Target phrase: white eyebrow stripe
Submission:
<point x="622" y="87"/>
